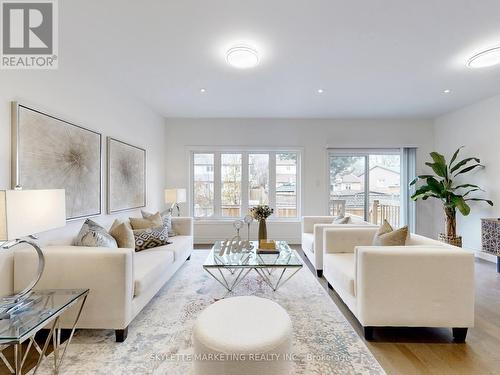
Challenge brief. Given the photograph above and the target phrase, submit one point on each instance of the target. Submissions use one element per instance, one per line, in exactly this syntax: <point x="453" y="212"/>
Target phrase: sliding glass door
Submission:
<point x="368" y="184"/>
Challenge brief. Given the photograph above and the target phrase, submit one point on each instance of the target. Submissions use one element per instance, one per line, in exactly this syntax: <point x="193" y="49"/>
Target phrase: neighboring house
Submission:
<point x="383" y="180"/>
<point x="348" y="182"/>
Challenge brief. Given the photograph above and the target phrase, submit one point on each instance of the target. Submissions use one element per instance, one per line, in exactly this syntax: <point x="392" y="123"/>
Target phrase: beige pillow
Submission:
<point x="342" y="220"/>
<point x="151" y="222"/>
<point x="123" y="234"/>
<point x="387" y="236"/>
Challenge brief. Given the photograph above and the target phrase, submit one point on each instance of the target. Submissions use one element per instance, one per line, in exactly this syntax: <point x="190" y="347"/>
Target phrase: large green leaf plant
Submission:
<point x="443" y="187"/>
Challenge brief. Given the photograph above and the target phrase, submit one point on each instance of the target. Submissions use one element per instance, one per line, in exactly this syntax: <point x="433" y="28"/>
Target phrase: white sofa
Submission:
<point x="312" y="236"/>
<point x="424" y="284"/>
<point x="121" y="281"/>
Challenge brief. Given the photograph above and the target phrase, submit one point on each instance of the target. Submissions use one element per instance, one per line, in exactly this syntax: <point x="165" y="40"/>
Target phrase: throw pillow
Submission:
<point x="166" y="217"/>
<point x="151" y="222"/>
<point x="342" y="220"/>
<point x="387" y="236"/>
<point x="93" y="235"/>
<point x="150" y="238"/>
<point x="123" y="234"/>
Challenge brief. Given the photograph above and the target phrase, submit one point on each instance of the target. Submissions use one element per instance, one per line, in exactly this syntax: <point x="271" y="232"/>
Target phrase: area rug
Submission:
<point x="159" y="339"/>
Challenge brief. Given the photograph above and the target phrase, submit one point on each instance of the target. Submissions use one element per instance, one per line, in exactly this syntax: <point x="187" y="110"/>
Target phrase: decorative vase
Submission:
<point x="262" y="230"/>
<point x="450" y="231"/>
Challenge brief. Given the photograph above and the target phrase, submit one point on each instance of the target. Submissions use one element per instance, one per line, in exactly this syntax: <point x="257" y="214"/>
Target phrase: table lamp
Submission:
<point x="174" y="197"/>
<point x="24" y="213"/>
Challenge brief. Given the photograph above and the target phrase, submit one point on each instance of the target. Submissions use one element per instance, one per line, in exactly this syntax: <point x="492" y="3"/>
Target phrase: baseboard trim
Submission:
<point x="485" y="256"/>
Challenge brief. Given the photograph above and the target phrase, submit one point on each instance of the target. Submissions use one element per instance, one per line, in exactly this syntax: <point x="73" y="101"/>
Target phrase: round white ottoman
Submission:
<point x="243" y="335"/>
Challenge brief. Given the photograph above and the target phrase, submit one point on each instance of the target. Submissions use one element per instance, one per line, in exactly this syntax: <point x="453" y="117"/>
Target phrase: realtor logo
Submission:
<point x="29" y="34"/>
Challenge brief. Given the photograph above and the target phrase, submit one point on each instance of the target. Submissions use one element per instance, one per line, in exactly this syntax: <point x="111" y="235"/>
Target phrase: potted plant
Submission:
<point x="443" y="187"/>
<point x="261" y="213"/>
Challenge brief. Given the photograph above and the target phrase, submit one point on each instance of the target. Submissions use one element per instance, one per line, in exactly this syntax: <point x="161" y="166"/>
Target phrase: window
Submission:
<point x="258" y="179"/>
<point x="367" y="183"/>
<point x="231" y="185"/>
<point x="225" y="184"/>
<point x="203" y="185"/>
<point x="286" y="185"/>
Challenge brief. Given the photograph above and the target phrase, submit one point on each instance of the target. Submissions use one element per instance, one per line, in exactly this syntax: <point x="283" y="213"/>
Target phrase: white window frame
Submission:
<point x="245" y="151"/>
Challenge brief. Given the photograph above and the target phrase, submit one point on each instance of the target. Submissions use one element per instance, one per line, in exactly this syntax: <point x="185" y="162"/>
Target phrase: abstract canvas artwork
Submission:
<point x="126" y="176"/>
<point x="50" y="153"/>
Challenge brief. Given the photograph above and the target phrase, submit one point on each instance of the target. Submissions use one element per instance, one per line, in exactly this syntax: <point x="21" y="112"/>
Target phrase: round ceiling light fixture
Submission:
<point x="242" y="57"/>
<point x="485" y="58"/>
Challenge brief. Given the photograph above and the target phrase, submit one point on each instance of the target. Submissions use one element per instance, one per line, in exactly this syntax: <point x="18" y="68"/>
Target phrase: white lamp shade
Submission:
<point x="175" y="195"/>
<point x="26" y="212"/>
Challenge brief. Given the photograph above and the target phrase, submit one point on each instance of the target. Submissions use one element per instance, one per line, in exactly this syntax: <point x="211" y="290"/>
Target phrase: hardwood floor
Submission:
<point x="408" y="351"/>
<point x="411" y="351"/>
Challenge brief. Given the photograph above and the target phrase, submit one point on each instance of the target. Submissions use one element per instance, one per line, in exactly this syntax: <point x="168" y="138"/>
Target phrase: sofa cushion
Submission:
<point x="387" y="236"/>
<point x="152" y="221"/>
<point x="340" y="271"/>
<point x="342" y="220"/>
<point x="150" y="238"/>
<point x="180" y="246"/>
<point x="123" y="234"/>
<point x="93" y="235"/>
<point x="148" y="266"/>
<point x="166" y="217"/>
<point x="308" y="242"/>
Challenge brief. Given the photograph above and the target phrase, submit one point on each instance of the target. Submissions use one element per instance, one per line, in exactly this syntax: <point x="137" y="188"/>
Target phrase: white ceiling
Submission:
<point x="373" y="58"/>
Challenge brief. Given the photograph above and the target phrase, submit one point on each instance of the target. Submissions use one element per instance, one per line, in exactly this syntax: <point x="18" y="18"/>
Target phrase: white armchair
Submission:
<point x="423" y="284"/>
<point x="312" y="236"/>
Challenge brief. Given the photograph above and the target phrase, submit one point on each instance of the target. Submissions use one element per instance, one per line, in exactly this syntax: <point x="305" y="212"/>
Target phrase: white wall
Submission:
<point x="313" y="135"/>
<point x="75" y="97"/>
<point x="478" y="128"/>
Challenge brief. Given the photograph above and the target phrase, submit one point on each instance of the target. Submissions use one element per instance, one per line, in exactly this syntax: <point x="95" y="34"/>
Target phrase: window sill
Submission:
<point x="224" y="221"/>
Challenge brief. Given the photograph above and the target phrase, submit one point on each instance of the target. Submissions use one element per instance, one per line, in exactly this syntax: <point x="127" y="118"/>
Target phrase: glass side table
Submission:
<point x="44" y="308"/>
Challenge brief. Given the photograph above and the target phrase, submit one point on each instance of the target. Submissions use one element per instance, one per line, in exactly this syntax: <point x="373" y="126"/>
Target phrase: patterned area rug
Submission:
<point x="159" y="339"/>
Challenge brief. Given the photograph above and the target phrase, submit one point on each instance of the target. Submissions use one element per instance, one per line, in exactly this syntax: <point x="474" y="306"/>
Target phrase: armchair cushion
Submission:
<point x="340" y="268"/>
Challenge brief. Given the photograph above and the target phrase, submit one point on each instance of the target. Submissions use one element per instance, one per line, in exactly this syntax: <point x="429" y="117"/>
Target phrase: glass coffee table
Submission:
<point x="274" y="268"/>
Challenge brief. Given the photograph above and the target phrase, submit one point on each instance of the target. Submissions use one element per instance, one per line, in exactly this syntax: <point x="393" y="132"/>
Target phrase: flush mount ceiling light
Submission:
<point x="485" y="59"/>
<point x="447" y="91"/>
<point x="321" y="91"/>
<point x="242" y="57"/>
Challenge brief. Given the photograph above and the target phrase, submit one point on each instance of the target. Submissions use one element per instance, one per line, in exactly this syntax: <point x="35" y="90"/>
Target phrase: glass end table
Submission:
<point x="42" y="309"/>
<point x="229" y="269"/>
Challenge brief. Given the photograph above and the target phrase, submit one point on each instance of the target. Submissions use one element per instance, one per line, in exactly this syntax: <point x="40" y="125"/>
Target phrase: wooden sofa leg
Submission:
<point x="459" y="334"/>
<point x="330" y="286"/>
<point x="368" y="332"/>
<point x="121" y="334"/>
<point x="319" y="273"/>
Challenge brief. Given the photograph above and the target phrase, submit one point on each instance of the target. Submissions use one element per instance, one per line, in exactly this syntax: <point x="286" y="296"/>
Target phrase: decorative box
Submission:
<point x="267" y="247"/>
<point x="490" y="235"/>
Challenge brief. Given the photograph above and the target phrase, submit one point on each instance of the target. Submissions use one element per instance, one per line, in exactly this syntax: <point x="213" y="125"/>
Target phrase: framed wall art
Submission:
<point x="52" y="153"/>
<point x="126" y="176"/>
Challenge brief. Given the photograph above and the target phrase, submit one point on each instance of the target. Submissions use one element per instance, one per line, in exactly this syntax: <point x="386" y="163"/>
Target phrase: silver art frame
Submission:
<point x="46" y="151"/>
<point x="112" y="191"/>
